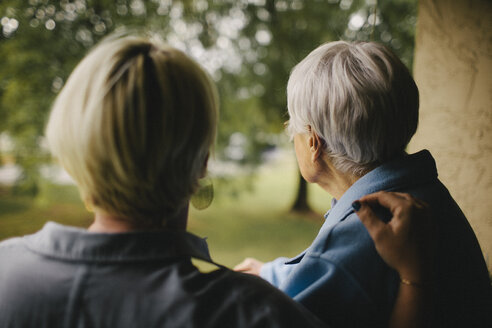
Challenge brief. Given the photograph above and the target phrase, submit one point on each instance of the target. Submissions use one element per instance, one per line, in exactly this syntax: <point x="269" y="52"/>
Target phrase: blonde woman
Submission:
<point x="133" y="126"/>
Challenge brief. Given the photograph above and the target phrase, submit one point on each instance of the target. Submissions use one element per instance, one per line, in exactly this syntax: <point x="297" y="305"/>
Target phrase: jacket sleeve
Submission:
<point x="342" y="279"/>
<point x="276" y="271"/>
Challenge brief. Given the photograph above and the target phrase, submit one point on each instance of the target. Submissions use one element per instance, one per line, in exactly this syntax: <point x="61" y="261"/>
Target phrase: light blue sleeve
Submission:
<point x="342" y="279"/>
<point x="276" y="271"/>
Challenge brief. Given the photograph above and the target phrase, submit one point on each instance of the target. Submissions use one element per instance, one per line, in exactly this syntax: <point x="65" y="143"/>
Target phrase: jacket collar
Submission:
<point x="401" y="173"/>
<point x="76" y="244"/>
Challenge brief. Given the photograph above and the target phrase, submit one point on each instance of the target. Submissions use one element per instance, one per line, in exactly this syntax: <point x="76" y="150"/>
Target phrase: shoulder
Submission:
<point x="346" y="256"/>
<point x="11" y="242"/>
<point x="251" y="290"/>
<point x="341" y="269"/>
<point x="14" y="252"/>
<point x="11" y="247"/>
<point x="350" y="248"/>
<point x="265" y="305"/>
<point x="24" y="286"/>
<point x="347" y="236"/>
<point x="16" y="262"/>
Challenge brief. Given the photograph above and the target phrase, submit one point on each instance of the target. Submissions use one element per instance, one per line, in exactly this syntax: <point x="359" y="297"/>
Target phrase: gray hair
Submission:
<point x="359" y="98"/>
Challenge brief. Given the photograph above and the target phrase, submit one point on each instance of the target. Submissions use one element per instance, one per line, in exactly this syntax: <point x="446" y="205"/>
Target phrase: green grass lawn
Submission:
<point x="256" y="223"/>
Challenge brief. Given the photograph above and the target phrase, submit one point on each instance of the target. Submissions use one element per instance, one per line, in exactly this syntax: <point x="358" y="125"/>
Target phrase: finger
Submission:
<point x="401" y="195"/>
<point x="372" y="223"/>
<point x="375" y="197"/>
<point x="243" y="266"/>
<point x="414" y="201"/>
<point x="417" y="203"/>
<point x="390" y="200"/>
<point x="411" y="202"/>
<point x="421" y="204"/>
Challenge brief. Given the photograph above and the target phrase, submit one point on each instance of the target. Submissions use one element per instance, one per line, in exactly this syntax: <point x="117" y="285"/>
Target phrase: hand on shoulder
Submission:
<point x="404" y="241"/>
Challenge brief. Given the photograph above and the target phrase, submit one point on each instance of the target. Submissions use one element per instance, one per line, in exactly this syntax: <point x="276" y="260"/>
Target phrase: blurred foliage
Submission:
<point x="249" y="47"/>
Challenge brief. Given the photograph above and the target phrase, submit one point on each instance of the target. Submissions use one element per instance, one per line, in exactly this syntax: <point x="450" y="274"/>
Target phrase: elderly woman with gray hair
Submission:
<point x="353" y="109"/>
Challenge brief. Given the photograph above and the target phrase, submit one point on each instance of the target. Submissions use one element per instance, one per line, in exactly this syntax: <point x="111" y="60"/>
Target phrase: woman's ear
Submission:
<point x="316" y="145"/>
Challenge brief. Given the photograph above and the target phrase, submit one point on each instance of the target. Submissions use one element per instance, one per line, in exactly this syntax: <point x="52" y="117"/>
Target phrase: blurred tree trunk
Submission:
<point x="301" y="201"/>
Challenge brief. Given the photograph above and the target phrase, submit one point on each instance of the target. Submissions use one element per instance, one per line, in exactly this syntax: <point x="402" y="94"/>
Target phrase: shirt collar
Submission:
<point x="333" y="203"/>
<point x="402" y="172"/>
<point x="70" y="243"/>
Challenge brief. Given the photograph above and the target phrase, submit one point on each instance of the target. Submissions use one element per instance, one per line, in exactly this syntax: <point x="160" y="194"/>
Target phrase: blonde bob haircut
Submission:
<point x="359" y="98"/>
<point x="133" y="126"/>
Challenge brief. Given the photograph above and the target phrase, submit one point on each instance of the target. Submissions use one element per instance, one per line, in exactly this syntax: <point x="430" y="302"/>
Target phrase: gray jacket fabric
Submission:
<point x="68" y="277"/>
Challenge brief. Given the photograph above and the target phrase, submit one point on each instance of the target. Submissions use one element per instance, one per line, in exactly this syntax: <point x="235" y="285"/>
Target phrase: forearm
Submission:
<point x="409" y="309"/>
<point x="412" y="302"/>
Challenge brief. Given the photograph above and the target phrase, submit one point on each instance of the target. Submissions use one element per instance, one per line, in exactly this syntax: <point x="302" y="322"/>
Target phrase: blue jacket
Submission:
<point x="343" y="280"/>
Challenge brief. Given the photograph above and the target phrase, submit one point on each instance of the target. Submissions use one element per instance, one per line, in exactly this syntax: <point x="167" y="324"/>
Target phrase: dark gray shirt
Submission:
<point x="68" y="277"/>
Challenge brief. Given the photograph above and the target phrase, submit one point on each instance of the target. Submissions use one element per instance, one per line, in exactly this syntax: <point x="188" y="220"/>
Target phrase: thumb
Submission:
<point x="370" y="220"/>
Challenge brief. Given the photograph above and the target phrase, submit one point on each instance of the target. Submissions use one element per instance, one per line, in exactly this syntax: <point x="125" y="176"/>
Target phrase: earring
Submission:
<point x="88" y="207"/>
<point x="204" y="195"/>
